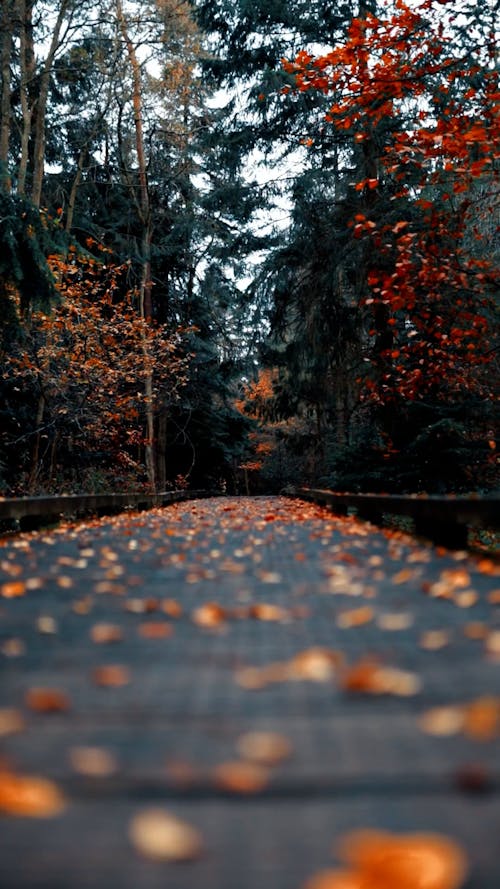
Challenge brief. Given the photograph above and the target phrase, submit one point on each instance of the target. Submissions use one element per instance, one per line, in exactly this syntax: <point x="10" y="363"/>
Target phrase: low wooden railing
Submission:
<point x="444" y="520"/>
<point x="32" y="512"/>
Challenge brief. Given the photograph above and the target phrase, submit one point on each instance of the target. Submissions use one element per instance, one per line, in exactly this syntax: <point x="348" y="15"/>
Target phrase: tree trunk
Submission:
<point x="145" y="297"/>
<point x="74" y="189"/>
<point x="6" y="33"/>
<point x="27" y="75"/>
<point x="41" y="107"/>
<point x="35" y="454"/>
<point x="161" y="457"/>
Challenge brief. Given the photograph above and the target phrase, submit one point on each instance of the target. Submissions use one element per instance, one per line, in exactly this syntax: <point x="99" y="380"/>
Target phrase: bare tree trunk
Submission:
<point x="162" y="451"/>
<point x="74" y="189"/>
<point x="41" y="107"/>
<point x="145" y="296"/>
<point x="27" y="70"/>
<point x="6" y="32"/>
<point x="35" y="454"/>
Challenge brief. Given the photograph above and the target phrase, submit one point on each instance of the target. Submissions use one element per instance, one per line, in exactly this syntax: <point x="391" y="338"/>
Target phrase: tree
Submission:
<point x="285" y="205"/>
<point x="85" y="361"/>
<point x="104" y="112"/>
<point x="428" y="292"/>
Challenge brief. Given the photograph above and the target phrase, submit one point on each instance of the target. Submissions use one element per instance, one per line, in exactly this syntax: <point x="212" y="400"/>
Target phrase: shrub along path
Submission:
<point x="266" y="673"/>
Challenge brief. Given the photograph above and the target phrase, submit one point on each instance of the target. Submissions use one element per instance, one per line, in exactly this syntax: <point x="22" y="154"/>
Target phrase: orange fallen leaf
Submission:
<point x="135" y="606"/>
<point x="159" y="835"/>
<point x="13" y="647"/>
<point x="11" y="721"/>
<point x="101" y="634"/>
<point x="403" y="576"/>
<point x="267" y="612"/>
<point x="487" y="566"/>
<point x="316" y="664"/>
<point x="476" y="630"/>
<point x="492" y="644"/>
<point x="12" y="589"/>
<point x="46" y="625"/>
<point x="482" y="718"/>
<point x="370" y="677"/>
<point x="252" y="678"/>
<point x="94" y="762"/>
<point x="82" y="606"/>
<point x="209" y="615"/>
<point x="442" y="721"/>
<point x="113" y="675"/>
<point x="270" y="577"/>
<point x="433" y="640"/>
<point x="47" y="700"/>
<point x="406" y="861"/>
<point x="64" y="582"/>
<point x="465" y="598"/>
<point x="355" y="617"/>
<point x="171" y="607"/>
<point x="241" y="777"/>
<point x="155" y="630"/>
<point x="264" y="748"/>
<point x="29" y="796"/>
<point x="394" y="621"/>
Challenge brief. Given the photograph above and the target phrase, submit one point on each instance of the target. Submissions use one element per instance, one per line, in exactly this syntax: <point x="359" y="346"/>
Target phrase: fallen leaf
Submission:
<point x="64" y="581"/>
<point x="171" y="607"/>
<point x="46" y="625"/>
<point x="465" y="598"/>
<point x="482" y="718"/>
<point x="12" y="589"/>
<point x="355" y="617"/>
<point x="155" y="630"/>
<point x="241" y="777"/>
<point x="370" y="677"/>
<point x="442" y="721"/>
<point x="316" y="664"/>
<point x="492" y="644"/>
<point x="102" y="634"/>
<point x="47" y="700"/>
<point x="395" y="621"/>
<point x="404" y="575"/>
<point x="82" y="606"/>
<point x="406" y="861"/>
<point x="158" y="834"/>
<point x="209" y="615"/>
<point x="11" y="721"/>
<point x="113" y="675"/>
<point x="264" y="748"/>
<point x="476" y="630"/>
<point x="13" y="647"/>
<point x="94" y="762"/>
<point x="29" y="796"/>
<point x="433" y="640"/>
<point x="267" y="612"/>
<point x="251" y="678"/>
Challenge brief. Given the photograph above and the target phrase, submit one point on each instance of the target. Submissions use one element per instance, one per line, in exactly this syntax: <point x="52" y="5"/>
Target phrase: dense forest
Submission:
<point x="249" y="243"/>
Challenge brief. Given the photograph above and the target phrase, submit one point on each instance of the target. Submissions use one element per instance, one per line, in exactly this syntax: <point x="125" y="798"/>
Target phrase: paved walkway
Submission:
<point x="140" y="655"/>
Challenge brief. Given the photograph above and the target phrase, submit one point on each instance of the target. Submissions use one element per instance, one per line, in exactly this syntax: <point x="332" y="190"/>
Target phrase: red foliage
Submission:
<point x="427" y="277"/>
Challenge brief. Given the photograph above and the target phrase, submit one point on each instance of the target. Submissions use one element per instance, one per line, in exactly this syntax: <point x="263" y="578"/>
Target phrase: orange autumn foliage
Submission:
<point x="428" y="278"/>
